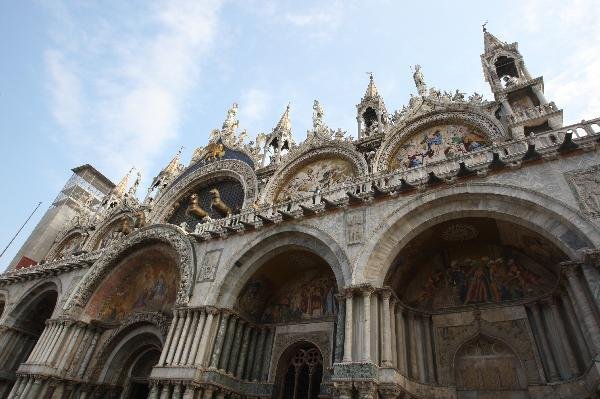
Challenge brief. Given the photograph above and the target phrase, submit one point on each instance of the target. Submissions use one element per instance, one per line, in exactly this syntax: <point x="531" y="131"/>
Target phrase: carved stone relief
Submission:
<point x="355" y="226"/>
<point x="209" y="265"/>
<point x="585" y="184"/>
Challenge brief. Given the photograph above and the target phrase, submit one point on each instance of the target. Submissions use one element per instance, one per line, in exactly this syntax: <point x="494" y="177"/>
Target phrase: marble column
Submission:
<point x="197" y="336"/>
<point x="176" y="336"/>
<point x="401" y="341"/>
<point x="235" y="347"/>
<point x="548" y="359"/>
<point x="338" y="351"/>
<point x="191" y="333"/>
<point x="537" y="90"/>
<point x="564" y="341"/>
<point x="258" y="357"/>
<point x="431" y="376"/>
<point x="267" y="356"/>
<point x="95" y="335"/>
<point x="206" y="332"/>
<point x="243" y="352"/>
<point x="348" y="328"/>
<point x="216" y="355"/>
<point x="163" y="355"/>
<point x="250" y="362"/>
<point x="575" y="327"/>
<point x="153" y="391"/>
<point x="386" y="356"/>
<point x="227" y="345"/>
<point x="393" y="332"/>
<point x="582" y="303"/>
<point x="414" y="347"/>
<point x="183" y="337"/>
<point x="367" y="325"/>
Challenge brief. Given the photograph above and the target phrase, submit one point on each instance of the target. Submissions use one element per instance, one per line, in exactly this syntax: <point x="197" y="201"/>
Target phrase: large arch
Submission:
<point x="23" y="327"/>
<point x="269" y="244"/>
<point x="230" y="168"/>
<point x="333" y="153"/>
<point x="562" y="225"/>
<point x="473" y="117"/>
<point x="111" y="257"/>
<point x="128" y="357"/>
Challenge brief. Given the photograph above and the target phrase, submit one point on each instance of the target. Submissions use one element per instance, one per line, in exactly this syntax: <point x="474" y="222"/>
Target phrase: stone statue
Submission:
<point x="420" y="81"/>
<point x="231" y="122"/>
<point x="318" y="115"/>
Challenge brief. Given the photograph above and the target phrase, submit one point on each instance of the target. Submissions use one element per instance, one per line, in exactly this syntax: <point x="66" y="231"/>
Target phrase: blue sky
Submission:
<point x="119" y="85"/>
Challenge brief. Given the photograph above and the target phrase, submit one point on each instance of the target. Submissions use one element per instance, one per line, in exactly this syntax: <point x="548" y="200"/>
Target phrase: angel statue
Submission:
<point x="318" y="115"/>
<point x="420" y="81"/>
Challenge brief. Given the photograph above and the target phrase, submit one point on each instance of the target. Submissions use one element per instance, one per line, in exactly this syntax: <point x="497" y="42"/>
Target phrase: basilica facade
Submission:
<point x="450" y="249"/>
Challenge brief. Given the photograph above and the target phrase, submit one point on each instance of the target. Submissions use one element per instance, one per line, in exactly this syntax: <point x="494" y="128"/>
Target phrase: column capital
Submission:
<point x="386" y="293"/>
<point x="570" y="268"/>
<point x="591" y="257"/>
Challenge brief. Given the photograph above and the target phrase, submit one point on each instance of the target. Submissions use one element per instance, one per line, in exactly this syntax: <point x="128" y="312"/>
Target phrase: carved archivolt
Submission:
<point x="488" y="126"/>
<point x="160" y="320"/>
<point x="107" y="227"/>
<point x="169" y="235"/>
<point x="63" y="238"/>
<point x="337" y="150"/>
<point x="238" y="170"/>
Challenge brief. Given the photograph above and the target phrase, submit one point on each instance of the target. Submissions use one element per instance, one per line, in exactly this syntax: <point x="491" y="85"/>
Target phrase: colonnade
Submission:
<point x="377" y="329"/>
<point x="380" y="330"/>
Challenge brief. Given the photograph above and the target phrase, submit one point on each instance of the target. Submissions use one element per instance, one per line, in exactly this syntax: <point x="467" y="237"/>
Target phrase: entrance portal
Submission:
<point x="300" y="372"/>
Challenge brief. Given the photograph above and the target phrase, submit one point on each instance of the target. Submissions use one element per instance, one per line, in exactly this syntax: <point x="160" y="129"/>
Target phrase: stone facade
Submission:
<point x="452" y="250"/>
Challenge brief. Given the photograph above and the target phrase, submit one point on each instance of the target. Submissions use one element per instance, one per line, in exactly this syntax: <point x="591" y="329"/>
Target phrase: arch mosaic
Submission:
<point x="446" y="134"/>
<point x="228" y="285"/>
<point x="232" y="168"/>
<point x="110" y="258"/>
<point x="324" y="167"/>
<point x="562" y="225"/>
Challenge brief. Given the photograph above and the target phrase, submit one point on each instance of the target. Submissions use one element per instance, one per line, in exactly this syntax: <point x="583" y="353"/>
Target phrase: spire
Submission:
<point x="490" y="42"/>
<point x="173" y="165"/>
<point x="371" y="91"/>
<point x="122" y="186"/>
<point x="284" y="126"/>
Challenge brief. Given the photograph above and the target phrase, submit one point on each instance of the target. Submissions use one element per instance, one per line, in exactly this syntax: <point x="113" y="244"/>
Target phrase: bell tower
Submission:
<point x="524" y="107"/>
<point x="371" y="113"/>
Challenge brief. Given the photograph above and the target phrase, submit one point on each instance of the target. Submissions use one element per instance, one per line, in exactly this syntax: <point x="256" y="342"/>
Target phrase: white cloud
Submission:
<point x="127" y="79"/>
<point x="321" y="20"/>
<point x="254" y="105"/>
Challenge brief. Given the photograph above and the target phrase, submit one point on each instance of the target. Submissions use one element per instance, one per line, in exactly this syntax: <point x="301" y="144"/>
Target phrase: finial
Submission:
<point x="483" y="26"/>
<point x="371" y="88"/>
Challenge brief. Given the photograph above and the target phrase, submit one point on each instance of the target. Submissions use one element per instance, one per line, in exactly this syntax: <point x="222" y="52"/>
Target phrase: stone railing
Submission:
<point x="511" y="154"/>
<point x="537" y="111"/>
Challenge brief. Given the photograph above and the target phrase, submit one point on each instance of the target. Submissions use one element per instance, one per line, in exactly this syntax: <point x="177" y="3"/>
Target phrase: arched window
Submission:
<point x="300" y="373"/>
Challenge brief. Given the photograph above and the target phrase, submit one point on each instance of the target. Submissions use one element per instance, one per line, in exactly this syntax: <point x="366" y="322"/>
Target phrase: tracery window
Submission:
<point x="304" y="373"/>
